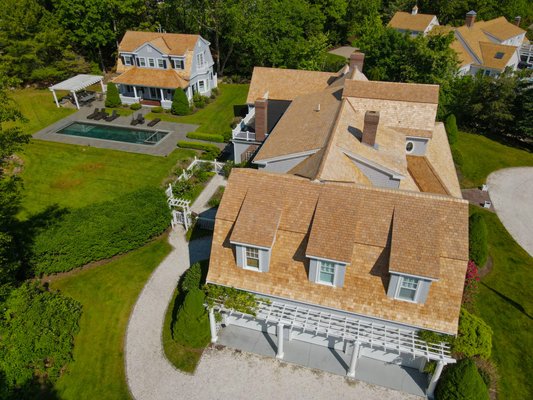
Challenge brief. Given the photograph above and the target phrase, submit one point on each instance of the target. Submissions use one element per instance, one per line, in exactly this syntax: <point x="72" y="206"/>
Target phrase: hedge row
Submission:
<point x="462" y="381"/>
<point x="211" y="151"/>
<point x="100" y="231"/>
<point x="210" y="137"/>
<point x="478" y="240"/>
<point x="451" y="129"/>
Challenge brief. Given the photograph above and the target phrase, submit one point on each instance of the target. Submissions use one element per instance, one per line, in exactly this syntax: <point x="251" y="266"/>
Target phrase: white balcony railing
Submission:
<point x="239" y="131"/>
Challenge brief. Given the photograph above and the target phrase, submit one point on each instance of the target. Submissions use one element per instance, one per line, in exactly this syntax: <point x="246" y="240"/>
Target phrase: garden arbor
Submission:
<point x="75" y="84"/>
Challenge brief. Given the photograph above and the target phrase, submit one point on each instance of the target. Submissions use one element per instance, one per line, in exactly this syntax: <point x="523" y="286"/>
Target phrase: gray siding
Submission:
<point x="423" y="291"/>
<point x="420" y="146"/>
<point x="239" y="256"/>
<point x="264" y="263"/>
<point x="377" y="177"/>
<point x="340" y="271"/>
<point x="238" y="150"/>
<point x="423" y="288"/>
<point x="284" y="165"/>
<point x="393" y="284"/>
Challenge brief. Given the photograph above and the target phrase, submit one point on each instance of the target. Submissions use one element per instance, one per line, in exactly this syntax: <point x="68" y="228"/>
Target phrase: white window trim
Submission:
<point x="245" y="259"/>
<point x="153" y="60"/>
<point x="181" y="61"/>
<point x="318" y="266"/>
<point x="413" y="149"/>
<point x="142" y="60"/>
<point x="129" y="60"/>
<point x="399" y="286"/>
<point x="162" y="62"/>
<point x="204" y="88"/>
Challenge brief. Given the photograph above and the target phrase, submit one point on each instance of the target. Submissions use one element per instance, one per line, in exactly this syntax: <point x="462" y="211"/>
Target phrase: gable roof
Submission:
<point x="496" y="55"/>
<point x="353" y="224"/>
<point x="286" y="84"/>
<point x="411" y="22"/>
<point x="163" y="78"/>
<point x="169" y="43"/>
<point x="500" y="28"/>
<point x="394" y="91"/>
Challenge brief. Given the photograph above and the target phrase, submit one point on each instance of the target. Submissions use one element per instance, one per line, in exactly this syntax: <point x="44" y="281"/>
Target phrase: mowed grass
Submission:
<point x="75" y="176"/>
<point x="506" y="304"/>
<point x="216" y="117"/>
<point x="108" y="294"/>
<point x="39" y="108"/>
<point x="481" y="156"/>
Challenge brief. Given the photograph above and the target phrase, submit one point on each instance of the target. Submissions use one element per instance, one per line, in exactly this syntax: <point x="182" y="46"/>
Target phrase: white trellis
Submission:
<point x="181" y="208"/>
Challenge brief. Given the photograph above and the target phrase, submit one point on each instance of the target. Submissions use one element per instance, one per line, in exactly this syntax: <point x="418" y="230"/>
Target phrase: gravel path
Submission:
<point x="511" y="192"/>
<point x="222" y="373"/>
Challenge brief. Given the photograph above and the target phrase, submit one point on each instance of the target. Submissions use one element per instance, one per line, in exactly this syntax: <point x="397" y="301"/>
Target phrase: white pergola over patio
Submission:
<point x="358" y="331"/>
<point x="75" y="84"/>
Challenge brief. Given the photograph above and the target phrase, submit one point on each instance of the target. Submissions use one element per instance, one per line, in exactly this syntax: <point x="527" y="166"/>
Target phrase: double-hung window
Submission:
<point x="127" y="60"/>
<point x="151" y="63"/>
<point x="141" y="62"/>
<point x="179" y="64"/>
<point x="200" y="59"/>
<point x="407" y="288"/>
<point x="251" y="258"/>
<point x="326" y="272"/>
<point x="201" y="86"/>
<point x="161" y="63"/>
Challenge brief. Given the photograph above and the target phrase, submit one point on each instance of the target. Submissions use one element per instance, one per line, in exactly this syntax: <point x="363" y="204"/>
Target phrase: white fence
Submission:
<point x="188" y="172"/>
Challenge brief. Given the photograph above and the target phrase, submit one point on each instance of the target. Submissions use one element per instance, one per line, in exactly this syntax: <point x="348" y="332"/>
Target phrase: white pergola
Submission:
<point x="75" y="84"/>
<point x="360" y="332"/>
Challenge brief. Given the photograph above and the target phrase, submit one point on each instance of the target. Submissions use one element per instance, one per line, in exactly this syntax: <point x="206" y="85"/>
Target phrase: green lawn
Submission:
<point x="107" y="293"/>
<point x="481" y="156"/>
<point x="215" y="117"/>
<point x="38" y="106"/>
<point x="75" y="176"/>
<point x="506" y="304"/>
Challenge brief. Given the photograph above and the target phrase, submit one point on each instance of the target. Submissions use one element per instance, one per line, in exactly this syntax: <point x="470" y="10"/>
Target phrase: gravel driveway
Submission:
<point x="511" y="192"/>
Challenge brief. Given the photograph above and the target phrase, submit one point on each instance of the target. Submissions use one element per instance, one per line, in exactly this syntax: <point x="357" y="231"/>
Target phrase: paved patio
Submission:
<point x="162" y="148"/>
<point x="407" y="380"/>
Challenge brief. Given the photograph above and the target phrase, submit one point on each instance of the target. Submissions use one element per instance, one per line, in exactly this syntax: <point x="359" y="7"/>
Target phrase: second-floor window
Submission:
<point x="151" y="63"/>
<point x="141" y="62"/>
<point x="161" y="63"/>
<point x="407" y="288"/>
<point x="179" y="64"/>
<point x="251" y="258"/>
<point x="200" y="59"/>
<point x="127" y="60"/>
<point x="326" y="272"/>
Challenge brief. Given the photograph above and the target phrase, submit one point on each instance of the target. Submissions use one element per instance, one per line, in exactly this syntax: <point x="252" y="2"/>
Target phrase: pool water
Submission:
<point x="116" y="133"/>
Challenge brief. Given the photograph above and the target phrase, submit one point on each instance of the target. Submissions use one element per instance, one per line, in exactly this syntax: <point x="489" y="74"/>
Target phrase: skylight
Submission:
<point x="499" y="55"/>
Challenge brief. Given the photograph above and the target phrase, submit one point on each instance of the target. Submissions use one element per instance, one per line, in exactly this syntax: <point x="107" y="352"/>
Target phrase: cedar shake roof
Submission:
<point x="411" y="92"/>
<point x="372" y="230"/>
<point x="409" y="22"/>
<point x="160" y="78"/>
<point x="426" y="178"/>
<point x="286" y="84"/>
<point x="175" y="44"/>
<point x="489" y="52"/>
<point x="500" y="28"/>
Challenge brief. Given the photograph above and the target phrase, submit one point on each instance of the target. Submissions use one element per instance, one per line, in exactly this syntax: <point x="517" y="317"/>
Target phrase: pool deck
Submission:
<point x="163" y="148"/>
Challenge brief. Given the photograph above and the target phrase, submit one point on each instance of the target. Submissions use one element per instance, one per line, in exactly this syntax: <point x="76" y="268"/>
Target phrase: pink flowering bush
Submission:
<point x="471" y="284"/>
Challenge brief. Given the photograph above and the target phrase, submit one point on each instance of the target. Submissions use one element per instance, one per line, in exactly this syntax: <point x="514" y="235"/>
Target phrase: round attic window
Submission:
<point x="409" y="146"/>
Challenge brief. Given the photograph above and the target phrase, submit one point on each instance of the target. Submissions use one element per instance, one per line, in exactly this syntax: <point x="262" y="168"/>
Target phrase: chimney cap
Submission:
<point x="414" y="11"/>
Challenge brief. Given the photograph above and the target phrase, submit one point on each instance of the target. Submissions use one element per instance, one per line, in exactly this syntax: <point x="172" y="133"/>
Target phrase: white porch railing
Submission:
<point x="239" y="132"/>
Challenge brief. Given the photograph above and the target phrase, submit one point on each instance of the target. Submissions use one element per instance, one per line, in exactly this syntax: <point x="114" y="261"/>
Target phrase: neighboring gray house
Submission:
<point x="152" y="65"/>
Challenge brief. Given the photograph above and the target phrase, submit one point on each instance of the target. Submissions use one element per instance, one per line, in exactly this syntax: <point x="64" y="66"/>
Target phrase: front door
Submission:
<point x="154" y="94"/>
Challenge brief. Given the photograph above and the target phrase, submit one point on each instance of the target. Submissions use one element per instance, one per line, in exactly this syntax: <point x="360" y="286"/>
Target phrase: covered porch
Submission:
<point x="146" y="95"/>
<point x="75" y="84"/>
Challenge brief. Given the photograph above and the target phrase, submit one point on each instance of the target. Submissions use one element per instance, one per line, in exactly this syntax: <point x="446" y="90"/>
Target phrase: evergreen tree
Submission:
<point x="180" y="103"/>
<point x="479" y="250"/>
<point x="451" y="128"/>
<point x="192" y="324"/>
<point x="112" y="98"/>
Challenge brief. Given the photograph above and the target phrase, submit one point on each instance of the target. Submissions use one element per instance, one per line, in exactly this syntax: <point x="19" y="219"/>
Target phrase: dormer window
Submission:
<point x="151" y="62"/>
<point x="251" y="258"/>
<point x="179" y="64"/>
<point x="127" y="60"/>
<point x="407" y="288"/>
<point x="326" y="273"/>
<point x="141" y="62"/>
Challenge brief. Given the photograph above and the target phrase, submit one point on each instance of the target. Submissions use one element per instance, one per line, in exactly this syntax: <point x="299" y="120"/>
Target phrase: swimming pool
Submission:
<point x="116" y="133"/>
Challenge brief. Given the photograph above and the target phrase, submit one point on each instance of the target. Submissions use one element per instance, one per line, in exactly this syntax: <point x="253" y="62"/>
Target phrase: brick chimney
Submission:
<point x="261" y="119"/>
<point x="470" y="18"/>
<point x="517" y="20"/>
<point x="414" y="11"/>
<point x="370" y="128"/>
<point x="357" y="59"/>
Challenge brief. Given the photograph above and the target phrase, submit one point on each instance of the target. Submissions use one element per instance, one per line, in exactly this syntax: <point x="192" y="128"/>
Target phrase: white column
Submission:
<point x="213" y="326"/>
<point x="280" y="353"/>
<point x="135" y="92"/>
<point x="434" y="379"/>
<point x="55" y="97"/>
<point x="102" y="85"/>
<point x="353" y="361"/>
<point x="162" y="94"/>
<point x="76" y="99"/>
<point x="423" y="363"/>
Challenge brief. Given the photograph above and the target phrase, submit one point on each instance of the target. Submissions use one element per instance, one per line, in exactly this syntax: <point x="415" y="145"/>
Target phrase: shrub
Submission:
<point x="192" y="277"/>
<point x="215" y="91"/>
<point x="199" y="101"/>
<point x="38" y="329"/>
<point x="211" y="151"/>
<point x="479" y="250"/>
<point x="451" y="128"/>
<point x="180" y="103"/>
<point x="100" y="231"/>
<point x="215" y="200"/>
<point x="457" y="157"/>
<point x="210" y="137"/>
<point x="227" y="135"/>
<point x="461" y="381"/>
<point x="182" y="188"/>
<point x="112" y="98"/>
<point x="157" y="109"/>
<point x="474" y="337"/>
<point x="135" y="106"/>
<point x="192" y="324"/>
<point x="471" y="286"/>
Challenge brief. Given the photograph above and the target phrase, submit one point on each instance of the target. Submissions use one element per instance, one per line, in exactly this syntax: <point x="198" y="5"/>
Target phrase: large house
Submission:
<point x="486" y="46"/>
<point x="353" y="226"/>
<point x="152" y="65"/>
